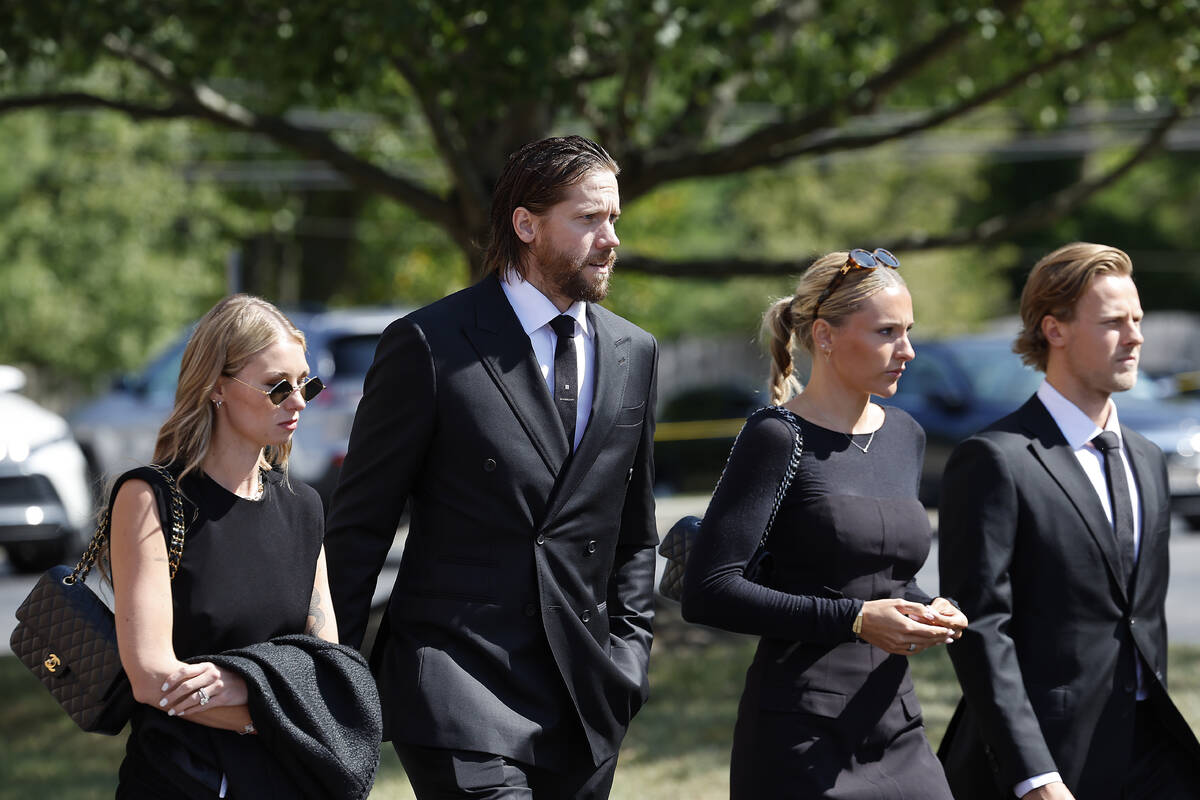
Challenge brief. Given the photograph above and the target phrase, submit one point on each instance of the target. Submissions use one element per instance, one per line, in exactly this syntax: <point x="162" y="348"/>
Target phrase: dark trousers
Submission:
<point x="439" y="774"/>
<point x="1160" y="767"/>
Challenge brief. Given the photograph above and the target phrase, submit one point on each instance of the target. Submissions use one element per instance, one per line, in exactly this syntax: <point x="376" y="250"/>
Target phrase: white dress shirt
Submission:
<point x="1079" y="430"/>
<point x="534" y="311"/>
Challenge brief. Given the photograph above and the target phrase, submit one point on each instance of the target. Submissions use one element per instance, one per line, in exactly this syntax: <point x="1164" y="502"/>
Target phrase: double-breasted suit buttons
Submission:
<point x="541" y="539"/>
<point x="489" y="465"/>
<point x="590" y="548"/>
<point x="586" y="616"/>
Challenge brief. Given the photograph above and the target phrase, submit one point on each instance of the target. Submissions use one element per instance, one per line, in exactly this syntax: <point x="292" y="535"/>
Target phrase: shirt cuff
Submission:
<point x="1025" y="787"/>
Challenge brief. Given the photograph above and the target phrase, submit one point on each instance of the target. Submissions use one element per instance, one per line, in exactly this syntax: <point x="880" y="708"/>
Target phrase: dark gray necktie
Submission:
<point x="1119" y="498"/>
<point x="566" y="375"/>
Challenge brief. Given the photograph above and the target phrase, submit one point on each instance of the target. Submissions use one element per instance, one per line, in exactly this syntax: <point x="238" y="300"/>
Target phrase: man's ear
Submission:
<point x="525" y="223"/>
<point x="1053" y="330"/>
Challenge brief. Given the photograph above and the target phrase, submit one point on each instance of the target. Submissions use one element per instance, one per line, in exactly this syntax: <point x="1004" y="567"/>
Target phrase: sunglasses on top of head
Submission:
<point x="309" y="388"/>
<point x="857" y="259"/>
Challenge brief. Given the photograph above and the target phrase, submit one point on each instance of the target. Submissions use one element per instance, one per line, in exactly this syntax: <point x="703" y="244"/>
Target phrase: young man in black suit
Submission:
<point x="1053" y="538"/>
<point x="517" y="418"/>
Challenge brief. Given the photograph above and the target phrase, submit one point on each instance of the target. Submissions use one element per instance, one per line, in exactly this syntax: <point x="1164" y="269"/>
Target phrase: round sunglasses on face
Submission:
<point x="309" y="388"/>
<point x="857" y="259"/>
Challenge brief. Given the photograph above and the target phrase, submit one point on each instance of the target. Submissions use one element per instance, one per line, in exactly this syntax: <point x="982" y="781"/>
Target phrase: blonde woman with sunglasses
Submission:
<point x="252" y="566"/>
<point x="828" y="708"/>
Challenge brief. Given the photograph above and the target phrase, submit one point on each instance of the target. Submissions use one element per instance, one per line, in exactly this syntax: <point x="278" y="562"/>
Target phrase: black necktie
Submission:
<point x="1118" y="496"/>
<point x="566" y="375"/>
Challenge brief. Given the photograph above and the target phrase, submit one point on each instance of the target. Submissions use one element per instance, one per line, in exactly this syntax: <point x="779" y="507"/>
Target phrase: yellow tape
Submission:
<point x="698" y="429"/>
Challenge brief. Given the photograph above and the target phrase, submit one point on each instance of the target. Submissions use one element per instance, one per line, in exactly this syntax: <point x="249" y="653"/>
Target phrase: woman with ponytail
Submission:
<point x="828" y="708"/>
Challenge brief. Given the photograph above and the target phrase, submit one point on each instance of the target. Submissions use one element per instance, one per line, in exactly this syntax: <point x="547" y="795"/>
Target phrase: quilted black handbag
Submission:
<point x="66" y="635"/>
<point x="682" y="537"/>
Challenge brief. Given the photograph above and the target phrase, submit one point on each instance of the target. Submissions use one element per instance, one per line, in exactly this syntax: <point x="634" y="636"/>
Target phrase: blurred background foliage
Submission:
<point x="157" y="153"/>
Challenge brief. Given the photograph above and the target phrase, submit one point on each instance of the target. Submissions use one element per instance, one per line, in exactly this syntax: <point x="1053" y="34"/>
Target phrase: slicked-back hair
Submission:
<point x="789" y="320"/>
<point x="536" y="177"/>
<point x="1054" y="287"/>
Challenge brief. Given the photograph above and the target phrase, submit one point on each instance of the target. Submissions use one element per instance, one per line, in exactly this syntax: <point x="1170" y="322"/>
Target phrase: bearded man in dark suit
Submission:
<point x="1053" y="539"/>
<point x="516" y="418"/>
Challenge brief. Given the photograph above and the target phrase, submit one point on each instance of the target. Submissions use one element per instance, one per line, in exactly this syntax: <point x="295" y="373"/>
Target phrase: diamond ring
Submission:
<point x="912" y="647"/>
<point x="203" y="696"/>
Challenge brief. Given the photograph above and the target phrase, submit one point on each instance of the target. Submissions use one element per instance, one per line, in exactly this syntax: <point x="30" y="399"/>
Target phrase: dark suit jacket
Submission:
<point x="1047" y="666"/>
<point x="521" y="617"/>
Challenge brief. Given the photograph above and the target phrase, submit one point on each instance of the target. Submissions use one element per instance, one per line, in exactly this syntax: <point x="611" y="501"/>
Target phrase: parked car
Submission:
<point x="117" y="430"/>
<point x="956" y="387"/>
<point x="45" y="501"/>
<point x="695" y="432"/>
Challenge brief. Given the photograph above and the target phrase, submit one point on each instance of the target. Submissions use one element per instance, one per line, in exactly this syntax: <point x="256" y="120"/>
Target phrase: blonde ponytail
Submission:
<point x="778" y="329"/>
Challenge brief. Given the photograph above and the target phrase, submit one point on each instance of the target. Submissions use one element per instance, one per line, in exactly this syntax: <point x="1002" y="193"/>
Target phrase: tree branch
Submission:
<point x="750" y="150"/>
<point x="783" y="21"/>
<point x="998" y="228"/>
<point x="635" y="82"/>
<point x="1057" y="205"/>
<point x="202" y="102"/>
<point x="449" y="145"/>
<point x="85" y="100"/>
<point x="818" y="144"/>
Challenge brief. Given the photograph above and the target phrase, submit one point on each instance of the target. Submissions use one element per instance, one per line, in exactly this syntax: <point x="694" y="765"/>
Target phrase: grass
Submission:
<point x="678" y="746"/>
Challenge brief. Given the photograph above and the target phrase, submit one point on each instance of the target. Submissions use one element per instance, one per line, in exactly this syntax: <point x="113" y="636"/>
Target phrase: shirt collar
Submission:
<point x="534" y="310"/>
<point x="1076" y="426"/>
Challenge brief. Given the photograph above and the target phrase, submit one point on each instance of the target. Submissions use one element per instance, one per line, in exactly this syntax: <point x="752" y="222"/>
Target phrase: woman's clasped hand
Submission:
<point x="201" y="687"/>
<point x="905" y="628"/>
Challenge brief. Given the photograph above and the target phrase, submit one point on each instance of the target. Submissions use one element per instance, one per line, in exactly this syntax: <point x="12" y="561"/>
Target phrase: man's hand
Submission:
<point x="1051" y="791"/>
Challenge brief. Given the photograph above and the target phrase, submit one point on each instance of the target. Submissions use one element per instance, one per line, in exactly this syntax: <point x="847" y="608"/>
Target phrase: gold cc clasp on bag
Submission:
<point x="52" y="663"/>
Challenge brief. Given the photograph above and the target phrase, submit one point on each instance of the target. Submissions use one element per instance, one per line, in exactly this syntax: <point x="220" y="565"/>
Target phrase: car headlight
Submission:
<point x="19" y="450"/>
<point x="1183" y="473"/>
<point x="16" y="450"/>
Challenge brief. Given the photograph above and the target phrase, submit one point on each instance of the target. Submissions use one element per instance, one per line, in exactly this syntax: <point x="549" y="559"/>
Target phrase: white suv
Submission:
<point x="45" y="500"/>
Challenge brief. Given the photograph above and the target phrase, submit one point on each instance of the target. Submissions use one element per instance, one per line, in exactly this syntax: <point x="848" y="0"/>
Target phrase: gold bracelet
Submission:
<point x="856" y="628"/>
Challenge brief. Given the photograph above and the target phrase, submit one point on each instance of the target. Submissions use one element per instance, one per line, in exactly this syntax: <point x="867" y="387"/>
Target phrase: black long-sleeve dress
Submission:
<point x="822" y="714"/>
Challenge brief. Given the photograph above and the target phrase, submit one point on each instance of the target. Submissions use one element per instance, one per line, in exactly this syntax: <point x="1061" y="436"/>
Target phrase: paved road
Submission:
<point x="1183" y="598"/>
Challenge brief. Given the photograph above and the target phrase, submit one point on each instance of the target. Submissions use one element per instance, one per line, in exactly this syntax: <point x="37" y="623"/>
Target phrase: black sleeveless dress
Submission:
<point x="823" y="715"/>
<point x="246" y="576"/>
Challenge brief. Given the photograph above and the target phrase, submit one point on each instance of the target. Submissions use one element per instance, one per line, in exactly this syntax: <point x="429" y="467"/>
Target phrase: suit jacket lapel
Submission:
<point x="1052" y="450"/>
<point x="1143" y="474"/>
<point x="612" y="371"/>
<point x="505" y="352"/>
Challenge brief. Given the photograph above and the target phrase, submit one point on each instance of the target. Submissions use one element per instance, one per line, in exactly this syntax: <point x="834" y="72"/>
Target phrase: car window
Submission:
<point x="995" y="371"/>
<point x="160" y="378"/>
<point x="925" y="377"/>
<point x="352" y="355"/>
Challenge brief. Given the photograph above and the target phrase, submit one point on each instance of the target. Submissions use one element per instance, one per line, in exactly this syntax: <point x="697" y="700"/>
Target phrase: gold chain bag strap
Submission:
<point x="67" y="637"/>
<point x="680" y="540"/>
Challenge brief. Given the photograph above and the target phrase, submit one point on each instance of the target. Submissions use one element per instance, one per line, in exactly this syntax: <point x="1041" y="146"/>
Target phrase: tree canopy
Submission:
<point x="420" y="101"/>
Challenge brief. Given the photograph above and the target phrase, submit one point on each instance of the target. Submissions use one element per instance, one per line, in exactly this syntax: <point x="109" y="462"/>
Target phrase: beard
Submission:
<point x="569" y="275"/>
